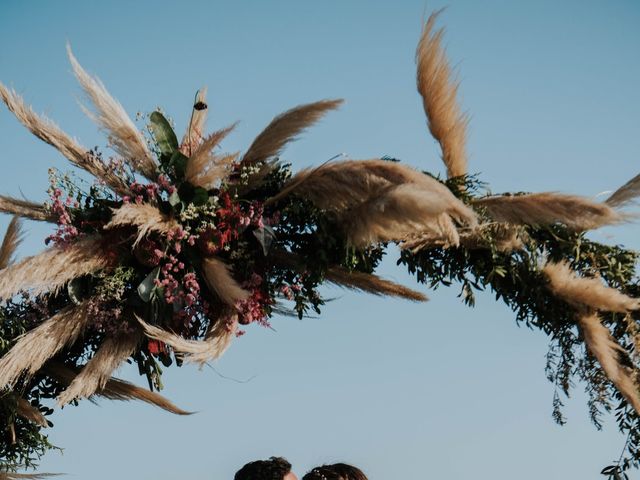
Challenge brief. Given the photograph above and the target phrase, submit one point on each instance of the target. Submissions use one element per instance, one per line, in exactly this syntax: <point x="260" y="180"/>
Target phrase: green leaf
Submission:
<point x="265" y="236"/>
<point x="146" y="287"/>
<point x="164" y="135"/>
<point x="76" y="290"/>
<point x="174" y="199"/>
<point x="200" y="196"/>
<point x="178" y="162"/>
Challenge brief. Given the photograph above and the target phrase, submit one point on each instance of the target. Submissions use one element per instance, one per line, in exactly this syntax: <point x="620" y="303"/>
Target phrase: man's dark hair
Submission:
<point x="337" y="471"/>
<point x="273" y="469"/>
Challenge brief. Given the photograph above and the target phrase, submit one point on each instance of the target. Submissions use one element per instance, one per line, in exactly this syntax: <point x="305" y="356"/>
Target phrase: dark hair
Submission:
<point x="337" y="471"/>
<point x="273" y="469"/>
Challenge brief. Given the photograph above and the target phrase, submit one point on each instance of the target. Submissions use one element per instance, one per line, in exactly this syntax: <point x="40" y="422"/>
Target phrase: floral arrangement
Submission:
<point x="177" y="248"/>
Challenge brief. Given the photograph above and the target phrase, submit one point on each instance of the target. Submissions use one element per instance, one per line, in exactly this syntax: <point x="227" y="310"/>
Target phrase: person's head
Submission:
<point x="276" y="468"/>
<point x="337" y="471"/>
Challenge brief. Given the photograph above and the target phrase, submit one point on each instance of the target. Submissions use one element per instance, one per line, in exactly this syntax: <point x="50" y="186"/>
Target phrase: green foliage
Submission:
<point x="514" y="277"/>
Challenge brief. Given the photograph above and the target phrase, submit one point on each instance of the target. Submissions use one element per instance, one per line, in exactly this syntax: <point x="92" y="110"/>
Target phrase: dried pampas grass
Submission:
<point x="25" y="208"/>
<point x="37" y="346"/>
<point x="12" y="239"/>
<point x="204" y="168"/>
<point x="284" y="128"/>
<point x="211" y="348"/>
<point x="53" y="268"/>
<point x="116" y="389"/>
<point x="195" y="132"/>
<point x="26" y="476"/>
<point x="123" y="135"/>
<point x="31" y="413"/>
<point x="400" y="211"/>
<point x="378" y="201"/>
<point x="625" y="194"/>
<point x="219" y="280"/>
<point x="50" y="133"/>
<point x="439" y="90"/>
<point x="609" y="354"/>
<point x="547" y="208"/>
<point x="371" y="284"/>
<point x="586" y="292"/>
<point x="97" y="372"/>
<point x="144" y="216"/>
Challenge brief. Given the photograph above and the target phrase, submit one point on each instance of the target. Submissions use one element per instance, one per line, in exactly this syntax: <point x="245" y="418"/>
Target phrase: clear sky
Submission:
<point x="434" y="390"/>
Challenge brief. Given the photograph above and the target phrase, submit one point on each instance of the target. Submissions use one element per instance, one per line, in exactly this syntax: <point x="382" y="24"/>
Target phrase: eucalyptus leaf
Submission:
<point x="76" y="289"/>
<point x="174" y="198"/>
<point x="179" y="163"/>
<point x="265" y="236"/>
<point x="146" y="287"/>
<point x="164" y="135"/>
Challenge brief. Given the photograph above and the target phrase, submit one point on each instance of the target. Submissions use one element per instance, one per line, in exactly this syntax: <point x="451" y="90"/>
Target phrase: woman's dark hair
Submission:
<point x="273" y="469"/>
<point x="337" y="471"/>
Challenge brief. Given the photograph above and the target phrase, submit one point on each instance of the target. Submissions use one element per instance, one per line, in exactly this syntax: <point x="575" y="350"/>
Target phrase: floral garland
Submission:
<point x="176" y="248"/>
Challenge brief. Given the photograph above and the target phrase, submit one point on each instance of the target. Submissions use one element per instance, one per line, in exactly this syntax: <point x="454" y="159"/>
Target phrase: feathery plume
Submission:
<point x="398" y="212"/>
<point x="204" y="168"/>
<point x="53" y="268"/>
<point x="589" y="292"/>
<point x="26" y="476"/>
<point x="144" y="216"/>
<point x="377" y="200"/>
<point x="439" y="90"/>
<point x="284" y="128"/>
<point x="116" y="389"/>
<point x="25" y="208"/>
<point x="50" y="133"/>
<point x="547" y="208"/>
<point x="97" y="372"/>
<point x="371" y="284"/>
<point x="195" y="132"/>
<point x="31" y="413"/>
<point x="219" y="280"/>
<point x="625" y="194"/>
<point x="12" y="239"/>
<point x="123" y="135"/>
<point x="212" y="347"/>
<point x="218" y="169"/>
<point x="37" y="346"/>
<point x="608" y="353"/>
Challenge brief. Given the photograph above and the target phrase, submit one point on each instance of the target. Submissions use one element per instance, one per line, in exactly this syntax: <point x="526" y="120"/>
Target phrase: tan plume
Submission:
<point x="12" y="239"/>
<point x="586" y="292"/>
<point x="33" y="349"/>
<point x="220" y="281"/>
<point x="284" y="128"/>
<point x="144" y="216"/>
<point x="25" y="208"/>
<point x="547" y="208"/>
<point x="370" y="283"/>
<point x="212" y="347"/>
<point x="195" y="131"/>
<point x="53" y="268"/>
<point x="26" y="476"/>
<point x="50" y="133"/>
<point x="97" y="372"/>
<point x="378" y="200"/>
<point x="116" y="389"/>
<point x="31" y="413"/>
<point x="625" y="194"/>
<point x="439" y="90"/>
<point x="609" y="354"/>
<point x="205" y="168"/>
<point x="123" y="135"/>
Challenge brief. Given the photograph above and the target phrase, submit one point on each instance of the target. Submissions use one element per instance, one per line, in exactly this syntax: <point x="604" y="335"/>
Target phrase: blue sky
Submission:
<point x="435" y="390"/>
